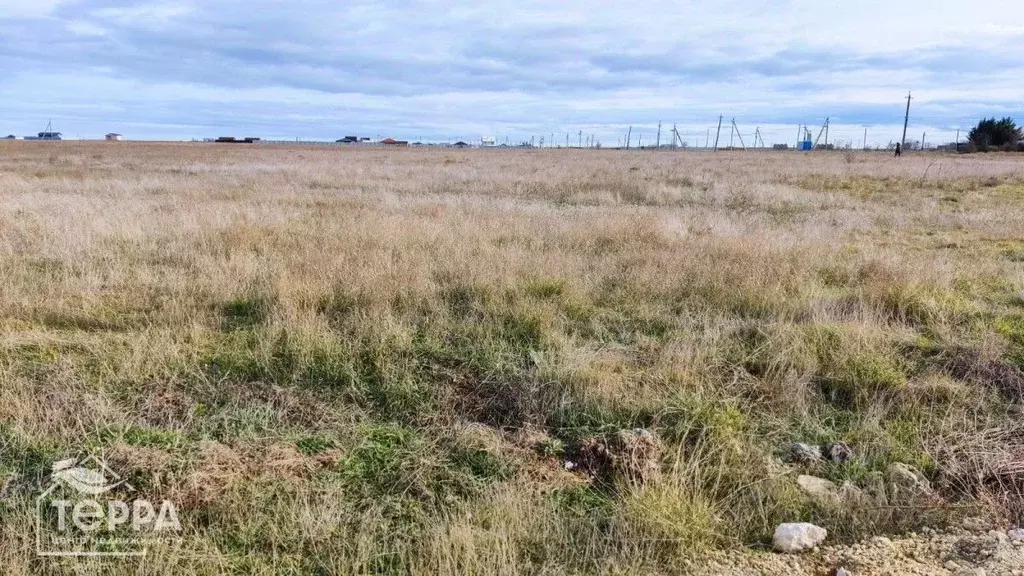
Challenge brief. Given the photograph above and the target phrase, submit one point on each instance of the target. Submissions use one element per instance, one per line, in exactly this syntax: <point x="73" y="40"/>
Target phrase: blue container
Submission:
<point x="806" y="145"/>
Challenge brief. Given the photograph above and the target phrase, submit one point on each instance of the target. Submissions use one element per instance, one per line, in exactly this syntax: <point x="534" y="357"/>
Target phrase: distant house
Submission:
<point x="487" y="142"/>
<point x="393" y="142"/>
<point x="348" y="140"/>
<point x="11" y="137"/>
<point x="113" y="136"/>
<point x="461" y="144"/>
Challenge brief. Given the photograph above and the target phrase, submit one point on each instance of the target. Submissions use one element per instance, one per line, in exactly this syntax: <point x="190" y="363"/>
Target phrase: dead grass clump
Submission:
<point x="985" y="465"/>
<point x="633" y="456"/>
<point x="219" y="468"/>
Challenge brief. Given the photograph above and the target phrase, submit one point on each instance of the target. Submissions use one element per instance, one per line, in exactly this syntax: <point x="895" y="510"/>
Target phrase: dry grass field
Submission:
<point x="368" y="361"/>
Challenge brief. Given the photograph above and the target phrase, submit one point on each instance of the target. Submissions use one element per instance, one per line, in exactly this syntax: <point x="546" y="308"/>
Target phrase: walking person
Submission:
<point x="898" y="150"/>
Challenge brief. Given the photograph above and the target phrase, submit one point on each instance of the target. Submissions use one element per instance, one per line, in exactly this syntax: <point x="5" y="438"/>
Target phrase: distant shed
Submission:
<point x="113" y="137"/>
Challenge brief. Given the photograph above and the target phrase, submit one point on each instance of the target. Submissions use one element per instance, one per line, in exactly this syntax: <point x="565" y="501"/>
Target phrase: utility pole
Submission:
<point x="657" y="142"/>
<point x="581" y="138"/>
<point x="923" y="134"/>
<point x="740" y="136"/>
<point x="719" y="132"/>
<point x="566" y="139"/>
<point x="629" y="136"/>
<point x="906" y="120"/>
<point x="824" y="130"/>
<point x="865" y="138"/>
<point x="957" y="140"/>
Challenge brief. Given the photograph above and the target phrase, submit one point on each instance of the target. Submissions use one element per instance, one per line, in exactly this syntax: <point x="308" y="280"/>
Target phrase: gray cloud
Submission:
<point x="436" y="69"/>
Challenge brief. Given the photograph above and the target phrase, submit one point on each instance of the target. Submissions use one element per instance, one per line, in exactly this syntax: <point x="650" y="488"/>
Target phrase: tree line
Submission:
<point x="992" y="134"/>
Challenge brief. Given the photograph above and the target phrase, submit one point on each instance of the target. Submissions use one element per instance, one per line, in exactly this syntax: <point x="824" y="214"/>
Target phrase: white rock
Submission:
<point x="797" y="537"/>
<point x="850" y="494"/>
<point x="904" y="476"/>
<point x="974" y="524"/>
<point x="817" y="487"/>
<point x="843" y="572"/>
<point x="1016" y="535"/>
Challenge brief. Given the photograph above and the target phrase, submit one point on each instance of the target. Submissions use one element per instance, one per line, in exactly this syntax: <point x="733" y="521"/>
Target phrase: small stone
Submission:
<point x="881" y="541"/>
<point x="841" y="571"/>
<point x="974" y="524"/>
<point x="850" y="494"/>
<point x="905" y="476"/>
<point x="951" y="566"/>
<point x="797" y="537"/>
<point x="817" y="487"/>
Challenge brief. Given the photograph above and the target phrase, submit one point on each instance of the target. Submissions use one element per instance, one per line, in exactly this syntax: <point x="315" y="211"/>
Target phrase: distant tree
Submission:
<point x="998" y="133"/>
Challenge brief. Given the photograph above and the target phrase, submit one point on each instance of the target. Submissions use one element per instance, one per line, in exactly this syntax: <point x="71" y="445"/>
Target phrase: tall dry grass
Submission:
<point x="348" y="361"/>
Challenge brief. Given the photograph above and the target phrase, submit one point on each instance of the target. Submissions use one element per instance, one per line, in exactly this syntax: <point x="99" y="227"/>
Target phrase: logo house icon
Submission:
<point x="87" y="481"/>
<point x="88" y="510"/>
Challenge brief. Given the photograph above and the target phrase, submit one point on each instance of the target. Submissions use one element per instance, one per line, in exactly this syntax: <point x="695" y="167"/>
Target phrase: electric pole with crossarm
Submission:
<point x="906" y="120"/>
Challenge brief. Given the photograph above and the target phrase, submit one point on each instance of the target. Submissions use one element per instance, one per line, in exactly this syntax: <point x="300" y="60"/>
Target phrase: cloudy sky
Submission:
<point x="434" y="70"/>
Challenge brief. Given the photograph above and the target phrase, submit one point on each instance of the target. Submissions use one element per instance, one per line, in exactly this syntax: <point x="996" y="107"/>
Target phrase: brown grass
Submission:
<point x="331" y="356"/>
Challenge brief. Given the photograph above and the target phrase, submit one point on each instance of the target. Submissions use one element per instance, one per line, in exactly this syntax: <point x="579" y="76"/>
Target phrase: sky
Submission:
<point x="448" y="70"/>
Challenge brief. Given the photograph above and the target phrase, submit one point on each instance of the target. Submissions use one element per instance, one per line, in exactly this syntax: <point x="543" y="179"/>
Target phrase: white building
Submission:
<point x="113" y="136"/>
<point x="487" y="141"/>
